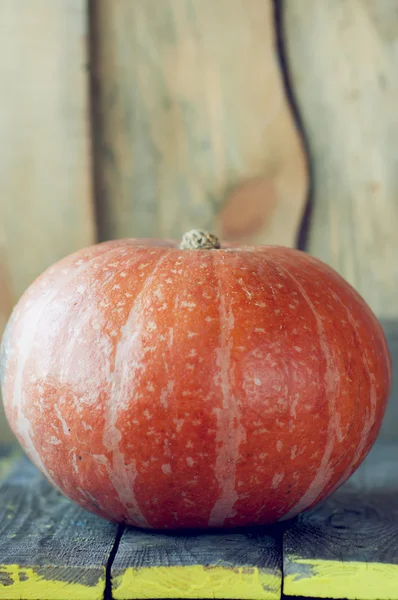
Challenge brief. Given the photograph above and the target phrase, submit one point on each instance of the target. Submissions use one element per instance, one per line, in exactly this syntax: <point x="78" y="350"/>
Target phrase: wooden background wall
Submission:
<point x="271" y="122"/>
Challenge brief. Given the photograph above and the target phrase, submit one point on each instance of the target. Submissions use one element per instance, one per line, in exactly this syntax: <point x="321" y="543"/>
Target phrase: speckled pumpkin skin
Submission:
<point x="171" y="388"/>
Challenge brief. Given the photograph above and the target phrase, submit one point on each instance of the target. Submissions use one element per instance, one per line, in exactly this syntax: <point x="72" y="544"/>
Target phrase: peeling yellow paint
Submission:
<point x="35" y="587"/>
<point x="337" y="579"/>
<point x="197" y="581"/>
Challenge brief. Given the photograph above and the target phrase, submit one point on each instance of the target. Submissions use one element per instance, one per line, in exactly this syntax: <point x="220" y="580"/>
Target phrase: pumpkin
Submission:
<point x="194" y="386"/>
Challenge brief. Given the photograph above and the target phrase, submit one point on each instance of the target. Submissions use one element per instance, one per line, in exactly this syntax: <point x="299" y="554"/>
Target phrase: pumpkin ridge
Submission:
<point x="27" y="342"/>
<point x="312" y="492"/>
<point x="228" y="432"/>
<point x="111" y="436"/>
<point x="372" y="392"/>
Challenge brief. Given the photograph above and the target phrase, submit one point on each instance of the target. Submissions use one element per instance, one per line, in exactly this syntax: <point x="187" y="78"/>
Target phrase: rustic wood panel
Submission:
<point x="49" y="548"/>
<point x="45" y="180"/>
<point x="235" y="564"/>
<point x="343" y="64"/>
<point x="347" y="547"/>
<point x="192" y="123"/>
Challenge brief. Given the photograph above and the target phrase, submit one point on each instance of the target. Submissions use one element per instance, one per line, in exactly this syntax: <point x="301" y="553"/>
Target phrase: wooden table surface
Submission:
<point x="347" y="547"/>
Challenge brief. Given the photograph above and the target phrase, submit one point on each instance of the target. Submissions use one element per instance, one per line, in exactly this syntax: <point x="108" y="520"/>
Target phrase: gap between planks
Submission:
<point x="108" y="570"/>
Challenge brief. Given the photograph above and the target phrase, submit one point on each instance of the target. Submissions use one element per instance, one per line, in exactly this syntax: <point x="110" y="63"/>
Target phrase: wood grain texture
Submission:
<point x="236" y="564"/>
<point x="193" y="126"/>
<point x="347" y="547"/>
<point x="343" y="64"/>
<point x="45" y="180"/>
<point x="49" y="548"/>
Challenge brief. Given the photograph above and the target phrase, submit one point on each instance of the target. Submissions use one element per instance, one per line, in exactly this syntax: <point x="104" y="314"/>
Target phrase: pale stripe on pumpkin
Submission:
<point x="332" y="376"/>
<point x="364" y="439"/>
<point x="230" y="431"/>
<point x="24" y="342"/>
<point x="121" y="475"/>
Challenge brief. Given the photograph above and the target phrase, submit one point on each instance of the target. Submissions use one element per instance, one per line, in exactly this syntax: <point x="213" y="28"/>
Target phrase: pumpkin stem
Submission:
<point x="196" y="239"/>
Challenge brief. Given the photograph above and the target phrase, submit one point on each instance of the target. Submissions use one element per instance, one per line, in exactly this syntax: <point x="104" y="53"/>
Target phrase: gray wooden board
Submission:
<point x="49" y="547"/>
<point x="347" y="546"/>
<point x="226" y="564"/>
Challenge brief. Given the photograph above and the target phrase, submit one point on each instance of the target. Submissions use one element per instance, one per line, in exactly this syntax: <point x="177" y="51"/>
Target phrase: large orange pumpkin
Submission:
<point x="167" y="387"/>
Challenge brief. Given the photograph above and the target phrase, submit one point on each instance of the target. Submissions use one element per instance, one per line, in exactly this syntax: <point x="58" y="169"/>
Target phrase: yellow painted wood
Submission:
<point x="193" y="128"/>
<point x="196" y="581"/>
<point x="337" y="579"/>
<point x="23" y="582"/>
<point x="342" y="58"/>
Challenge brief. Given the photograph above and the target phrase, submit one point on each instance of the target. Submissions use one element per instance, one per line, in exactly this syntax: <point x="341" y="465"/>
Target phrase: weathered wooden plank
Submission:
<point x="347" y="547"/>
<point x="245" y="564"/>
<point x="49" y="548"/>
<point x="45" y="179"/>
<point x="384" y="17"/>
<point x="192" y="121"/>
<point x="343" y="64"/>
